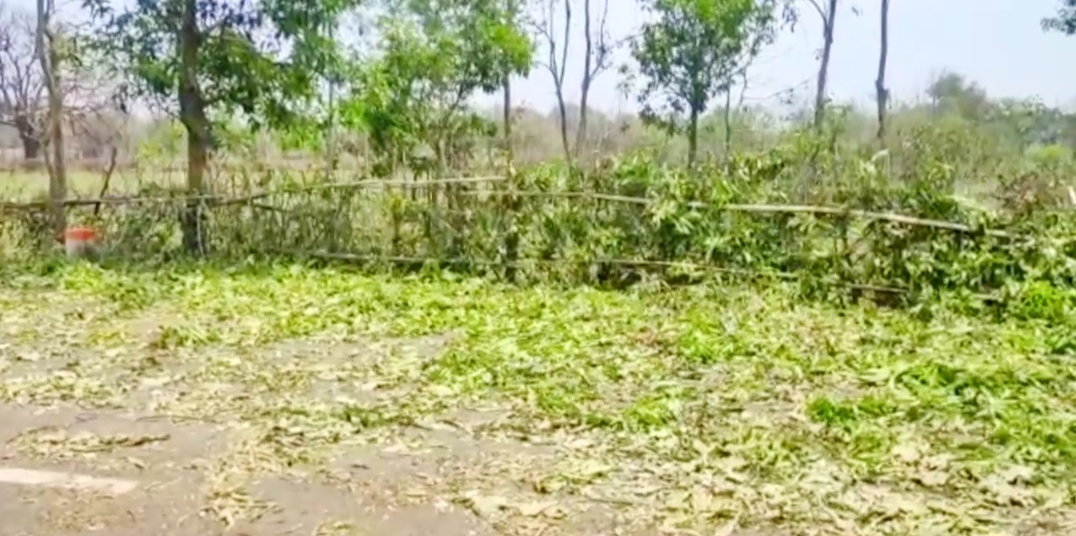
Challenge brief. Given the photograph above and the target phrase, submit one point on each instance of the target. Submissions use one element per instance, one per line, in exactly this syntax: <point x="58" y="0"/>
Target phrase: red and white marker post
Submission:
<point x="81" y="243"/>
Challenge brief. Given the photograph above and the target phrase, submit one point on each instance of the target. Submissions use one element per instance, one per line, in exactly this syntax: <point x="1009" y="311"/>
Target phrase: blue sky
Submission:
<point x="997" y="43"/>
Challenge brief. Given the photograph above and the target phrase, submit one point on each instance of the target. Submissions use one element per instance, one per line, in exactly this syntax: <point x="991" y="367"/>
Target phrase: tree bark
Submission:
<point x="829" y="18"/>
<point x="192" y="113"/>
<point x="507" y="119"/>
<point x="588" y="58"/>
<point x="557" y="67"/>
<point x="511" y="8"/>
<point x="30" y="138"/>
<point x="881" y="93"/>
<point x="49" y="57"/>
<point x="693" y="137"/>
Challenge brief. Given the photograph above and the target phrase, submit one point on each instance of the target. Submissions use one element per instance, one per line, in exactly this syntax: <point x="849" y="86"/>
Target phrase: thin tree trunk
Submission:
<point x="507" y="114"/>
<point x="728" y="124"/>
<point x="693" y="138"/>
<point x="563" y="110"/>
<point x="581" y="134"/>
<point x="193" y="115"/>
<point x="511" y="8"/>
<point x="49" y="57"/>
<point x="881" y="93"/>
<point x="829" y="18"/>
<point x="557" y="67"/>
<point x="584" y="94"/>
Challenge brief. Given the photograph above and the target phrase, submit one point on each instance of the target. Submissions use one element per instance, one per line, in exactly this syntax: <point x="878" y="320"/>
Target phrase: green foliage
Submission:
<point x="674" y="390"/>
<point x="269" y="81"/>
<point x="636" y="220"/>
<point x="1065" y="21"/>
<point x="432" y="60"/>
<point x="691" y="53"/>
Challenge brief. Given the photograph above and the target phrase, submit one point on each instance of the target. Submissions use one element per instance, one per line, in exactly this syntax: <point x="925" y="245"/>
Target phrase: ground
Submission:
<point x="286" y="400"/>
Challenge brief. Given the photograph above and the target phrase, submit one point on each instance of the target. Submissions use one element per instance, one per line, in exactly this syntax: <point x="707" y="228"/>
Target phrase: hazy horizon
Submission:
<point x="923" y="42"/>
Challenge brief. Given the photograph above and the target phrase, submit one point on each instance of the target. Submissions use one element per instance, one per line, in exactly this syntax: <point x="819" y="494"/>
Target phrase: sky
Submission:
<point x="999" y="44"/>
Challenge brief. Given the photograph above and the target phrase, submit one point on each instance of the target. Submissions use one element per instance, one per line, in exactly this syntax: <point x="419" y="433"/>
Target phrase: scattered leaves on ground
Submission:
<point x="709" y="409"/>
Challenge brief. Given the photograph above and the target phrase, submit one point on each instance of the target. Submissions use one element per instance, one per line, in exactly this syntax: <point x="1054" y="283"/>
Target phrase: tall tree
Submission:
<point x="556" y="60"/>
<point x="881" y="94"/>
<point x="22" y="90"/>
<point x="49" y="55"/>
<point x="196" y="57"/>
<point x="828" y="15"/>
<point x="687" y="56"/>
<point x="597" y="58"/>
<point x="513" y="10"/>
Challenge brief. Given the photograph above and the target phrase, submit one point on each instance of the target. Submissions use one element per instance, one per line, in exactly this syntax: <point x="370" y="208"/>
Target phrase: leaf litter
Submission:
<point x="711" y="410"/>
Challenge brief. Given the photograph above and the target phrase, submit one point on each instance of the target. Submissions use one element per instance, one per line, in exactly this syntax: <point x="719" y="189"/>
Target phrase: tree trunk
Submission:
<point x="193" y="115"/>
<point x="828" y="20"/>
<point x="728" y="124"/>
<point x="584" y="93"/>
<point x="581" y="133"/>
<point x="511" y="8"/>
<point x="693" y="138"/>
<point x="31" y="147"/>
<point x="563" y="110"/>
<point x="30" y="138"/>
<point x="49" y="58"/>
<point x="881" y="93"/>
<point x="507" y="114"/>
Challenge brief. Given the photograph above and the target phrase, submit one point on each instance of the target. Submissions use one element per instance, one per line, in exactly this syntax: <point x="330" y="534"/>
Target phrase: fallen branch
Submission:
<point x="763" y="209"/>
<point x="523" y="263"/>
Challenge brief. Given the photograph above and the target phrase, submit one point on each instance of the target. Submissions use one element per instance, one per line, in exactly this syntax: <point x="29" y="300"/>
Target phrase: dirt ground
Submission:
<point x="431" y="478"/>
<point x="368" y="491"/>
<point x="189" y="476"/>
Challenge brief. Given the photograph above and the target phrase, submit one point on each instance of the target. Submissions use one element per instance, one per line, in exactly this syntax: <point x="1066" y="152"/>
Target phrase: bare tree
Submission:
<point x="881" y="93"/>
<point x="762" y="33"/>
<point x="22" y="88"/>
<point x="557" y="60"/>
<point x="49" y="54"/>
<point x="597" y="59"/>
<point x="829" y="18"/>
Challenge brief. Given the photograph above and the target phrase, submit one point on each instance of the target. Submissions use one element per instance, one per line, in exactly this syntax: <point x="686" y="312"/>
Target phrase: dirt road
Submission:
<point x="124" y="474"/>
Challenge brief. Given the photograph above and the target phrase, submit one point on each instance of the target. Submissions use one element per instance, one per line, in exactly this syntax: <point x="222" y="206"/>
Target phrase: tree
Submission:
<point x="556" y="61"/>
<point x="195" y="58"/>
<point x="952" y="93"/>
<point x="597" y="58"/>
<point x="1064" y="21"/>
<point x="687" y="56"/>
<point x="513" y="10"/>
<point x="829" y="20"/>
<point x="434" y="55"/>
<point x="761" y="32"/>
<point x="22" y="90"/>
<point x="49" y="55"/>
<point x="880" y="91"/>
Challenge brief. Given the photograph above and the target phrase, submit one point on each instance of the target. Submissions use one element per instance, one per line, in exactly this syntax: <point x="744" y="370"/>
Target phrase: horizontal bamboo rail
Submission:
<point x="219" y="200"/>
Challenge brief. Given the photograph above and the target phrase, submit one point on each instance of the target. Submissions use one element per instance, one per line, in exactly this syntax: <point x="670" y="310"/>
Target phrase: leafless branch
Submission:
<point x="557" y="60"/>
<point x="22" y="87"/>
<point x="596" y="60"/>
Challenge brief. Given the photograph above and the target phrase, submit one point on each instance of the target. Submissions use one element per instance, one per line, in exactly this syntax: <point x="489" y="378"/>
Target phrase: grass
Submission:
<point x="709" y="408"/>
